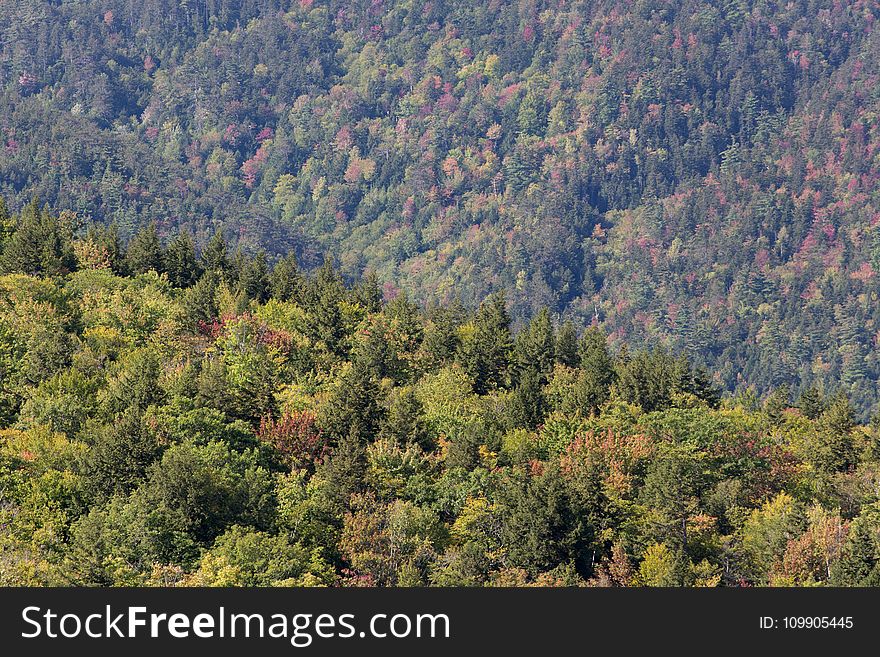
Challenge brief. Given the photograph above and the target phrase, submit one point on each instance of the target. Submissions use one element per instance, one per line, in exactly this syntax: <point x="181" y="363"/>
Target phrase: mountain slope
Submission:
<point x="698" y="175"/>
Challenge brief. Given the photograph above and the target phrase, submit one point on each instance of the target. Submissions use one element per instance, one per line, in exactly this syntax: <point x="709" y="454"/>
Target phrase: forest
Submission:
<point x="698" y="177"/>
<point x="174" y="416"/>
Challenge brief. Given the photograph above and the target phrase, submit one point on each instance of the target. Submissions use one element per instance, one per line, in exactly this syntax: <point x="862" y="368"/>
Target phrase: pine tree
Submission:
<point x="353" y="409"/>
<point x="145" y="251"/>
<point x="286" y="283"/>
<point x="181" y="262"/>
<point x="811" y="403"/>
<point x="404" y="422"/>
<point x="441" y="339"/>
<point x="597" y="370"/>
<point x="200" y="302"/>
<point x="567" y="345"/>
<point x="107" y="239"/>
<point x="215" y="256"/>
<point x="253" y="277"/>
<point x="535" y="347"/>
<point x="486" y="354"/>
<point x="323" y="296"/>
<point x="528" y="405"/>
<point x="367" y="293"/>
<point x="40" y="244"/>
<point x="859" y="564"/>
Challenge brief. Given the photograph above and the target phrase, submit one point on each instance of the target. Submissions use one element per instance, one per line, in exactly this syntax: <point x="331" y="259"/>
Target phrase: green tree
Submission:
<point x="40" y="244"/>
<point x="145" y="251"/>
<point x="567" y="345"/>
<point x="181" y="262"/>
<point x="486" y="352"/>
<point x="286" y="283"/>
<point x="597" y="371"/>
<point x="215" y="256"/>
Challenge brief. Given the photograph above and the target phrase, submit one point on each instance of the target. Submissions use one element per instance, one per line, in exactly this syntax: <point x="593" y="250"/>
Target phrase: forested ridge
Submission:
<point x="697" y="175"/>
<point x="174" y="417"/>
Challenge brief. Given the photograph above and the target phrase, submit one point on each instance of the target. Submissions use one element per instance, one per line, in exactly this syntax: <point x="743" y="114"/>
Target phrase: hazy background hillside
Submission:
<point x="702" y="175"/>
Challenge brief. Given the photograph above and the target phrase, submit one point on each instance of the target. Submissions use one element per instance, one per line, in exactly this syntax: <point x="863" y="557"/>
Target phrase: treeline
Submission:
<point x="174" y="416"/>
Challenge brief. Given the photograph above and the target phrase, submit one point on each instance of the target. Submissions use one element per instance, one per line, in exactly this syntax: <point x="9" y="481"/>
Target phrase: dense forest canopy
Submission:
<point x="700" y="175"/>
<point x="177" y="418"/>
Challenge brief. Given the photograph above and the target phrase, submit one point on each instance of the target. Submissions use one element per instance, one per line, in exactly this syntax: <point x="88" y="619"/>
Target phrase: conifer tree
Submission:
<point x="597" y="370"/>
<point x="811" y="403"/>
<point x="567" y="345"/>
<point x="441" y="338"/>
<point x="535" y="347"/>
<point x="215" y="256"/>
<point x="323" y="295"/>
<point x="286" y="283"/>
<point x="145" y="251"/>
<point x="181" y="262"/>
<point x="40" y="244"/>
<point x="486" y="355"/>
<point x="367" y="292"/>
<point x="253" y="277"/>
<point x="107" y="239"/>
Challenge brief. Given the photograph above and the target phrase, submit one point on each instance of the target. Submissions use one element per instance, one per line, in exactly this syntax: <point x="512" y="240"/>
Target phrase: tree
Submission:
<point x="859" y="564"/>
<point x="181" y="262"/>
<point x="286" y="283"/>
<point x="40" y="244"/>
<point x="253" y="278"/>
<point x="200" y="301"/>
<point x="353" y="408"/>
<point x="659" y="567"/>
<point x="405" y="422"/>
<point x="528" y="406"/>
<point x="323" y="298"/>
<point x="214" y="258"/>
<point x="540" y="525"/>
<point x="567" y="345"/>
<point x="367" y="292"/>
<point x="441" y="338"/>
<point x="672" y="491"/>
<point x="597" y="371"/>
<point x="145" y="251"/>
<point x="535" y="348"/>
<point x="811" y="403"/>
<point x="109" y="244"/>
<point x="118" y="457"/>
<point x="485" y="353"/>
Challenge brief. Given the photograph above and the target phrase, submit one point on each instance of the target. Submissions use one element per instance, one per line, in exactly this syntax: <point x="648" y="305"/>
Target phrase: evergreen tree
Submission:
<point x="324" y="295"/>
<point x="777" y="403"/>
<point x="40" y="244"/>
<point x="286" y="283"/>
<point x="107" y="239"/>
<point x="528" y="405"/>
<point x="811" y="403"/>
<point x="253" y="277"/>
<point x="859" y="564"/>
<point x="485" y="356"/>
<point x="354" y="407"/>
<point x="404" y="422"/>
<point x="200" y="301"/>
<point x="367" y="293"/>
<point x="567" y="345"/>
<point x="215" y="255"/>
<point x="597" y="370"/>
<point x="145" y="251"/>
<point x="535" y="347"/>
<point x="441" y="339"/>
<point x="181" y="262"/>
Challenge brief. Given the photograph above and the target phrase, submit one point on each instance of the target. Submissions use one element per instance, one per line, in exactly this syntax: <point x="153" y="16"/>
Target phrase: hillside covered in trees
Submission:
<point x="168" y="418"/>
<point x="698" y="175"/>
